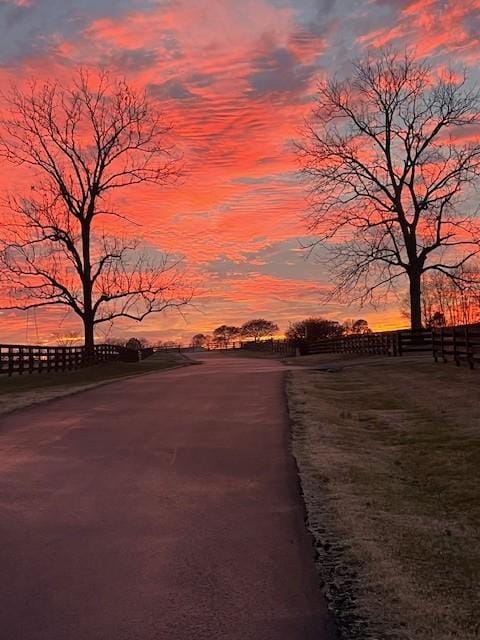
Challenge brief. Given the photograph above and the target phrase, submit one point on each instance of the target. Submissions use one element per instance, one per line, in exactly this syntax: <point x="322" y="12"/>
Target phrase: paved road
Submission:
<point x="163" y="507"/>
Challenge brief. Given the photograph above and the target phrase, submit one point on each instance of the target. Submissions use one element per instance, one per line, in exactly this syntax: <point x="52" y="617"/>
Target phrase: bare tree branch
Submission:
<point x="390" y="182"/>
<point x="81" y="143"/>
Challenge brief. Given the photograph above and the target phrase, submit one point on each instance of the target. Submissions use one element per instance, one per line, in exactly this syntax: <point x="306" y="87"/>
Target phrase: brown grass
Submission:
<point x="389" y="456"/>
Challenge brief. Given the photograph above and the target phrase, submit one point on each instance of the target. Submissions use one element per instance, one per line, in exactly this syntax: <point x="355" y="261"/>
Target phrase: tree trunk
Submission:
<point x="415" y="299"/>
<point x="88" y="314"/>
<point x="88" y="328"/>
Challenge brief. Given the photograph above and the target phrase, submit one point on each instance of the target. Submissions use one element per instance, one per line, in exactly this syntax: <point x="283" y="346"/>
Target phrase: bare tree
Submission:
<point x="199" y="340"/>
<point x="82" y="144"/>
<point x="447" y="301"/>
<point x="359" y="326"/>
<point x="314" y="329"/>
<point x="258" y="328"/>
<point x="391" y="169"/>
<point x="224" y="335"/>
<point x="66" y="339"/>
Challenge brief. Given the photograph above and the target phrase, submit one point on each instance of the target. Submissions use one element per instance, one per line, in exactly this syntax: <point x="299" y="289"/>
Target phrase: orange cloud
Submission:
<point x="432" y="28"/>
<point x="236" y="78"/>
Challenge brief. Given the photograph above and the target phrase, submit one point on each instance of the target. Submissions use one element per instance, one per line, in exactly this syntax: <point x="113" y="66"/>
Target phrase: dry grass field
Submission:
<point x="389" y="457"/>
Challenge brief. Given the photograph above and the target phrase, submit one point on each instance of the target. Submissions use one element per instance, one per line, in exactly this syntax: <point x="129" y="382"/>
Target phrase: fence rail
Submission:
<point x="269" y="346"/>
<point x="25" y="359"/>
<point x="389" y="343"/>
<point x="460" y="344"/>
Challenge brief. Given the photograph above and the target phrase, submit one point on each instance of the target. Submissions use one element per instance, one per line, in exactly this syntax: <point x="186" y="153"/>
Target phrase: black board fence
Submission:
<point x="388" y="343"/>
<point x="269" y="346"/>
<point x="27" y="359"/>
<point x="460" y="344"/>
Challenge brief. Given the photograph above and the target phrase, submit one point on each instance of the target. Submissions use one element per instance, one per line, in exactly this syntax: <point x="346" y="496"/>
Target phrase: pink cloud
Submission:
<point x="236" y="78"/>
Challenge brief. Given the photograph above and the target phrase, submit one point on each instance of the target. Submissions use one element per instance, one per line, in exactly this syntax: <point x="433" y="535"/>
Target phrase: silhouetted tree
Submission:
<point x="83" y="143"/>
<point x="314" y="329"/>
<point x="457" y="301"/>
<point x="390" y="166"/>
<point x="225" y="334"/>
<point x="437" y="319"/>
<point x="133" y="344"/>
<point x="209" y="342"/>
<point x="66" y="339"/>
<point x="199" y="340"/>
<point x="360" y="326"/>
<point x="258" y="328"/>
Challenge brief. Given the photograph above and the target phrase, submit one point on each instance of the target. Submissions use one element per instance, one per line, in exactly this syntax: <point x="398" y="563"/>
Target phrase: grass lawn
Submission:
<point x="389" y="457"/>
<point x="19" y="391"/>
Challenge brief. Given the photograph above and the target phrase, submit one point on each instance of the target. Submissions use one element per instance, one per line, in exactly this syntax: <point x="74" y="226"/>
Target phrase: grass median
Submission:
<point x="17" y="391"/>
<point x="389" y="458"/>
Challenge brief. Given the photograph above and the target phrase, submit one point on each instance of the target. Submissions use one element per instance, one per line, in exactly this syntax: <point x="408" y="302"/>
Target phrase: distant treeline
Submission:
<point x="258" y="329"/>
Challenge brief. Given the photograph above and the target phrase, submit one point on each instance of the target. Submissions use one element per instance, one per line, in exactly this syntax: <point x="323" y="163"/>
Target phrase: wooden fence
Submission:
<point x="24" y="359"/>
<point x="389" y="343"/>
<point x="177" y="348"/>
<point x="460" y="344"/>
<point x="269" y="346"/>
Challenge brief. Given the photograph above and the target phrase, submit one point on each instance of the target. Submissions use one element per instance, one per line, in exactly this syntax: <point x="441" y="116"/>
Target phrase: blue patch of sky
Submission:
<point x="34" y="29"/>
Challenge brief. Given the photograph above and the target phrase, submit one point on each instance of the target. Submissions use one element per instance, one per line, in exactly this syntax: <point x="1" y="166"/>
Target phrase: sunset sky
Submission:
<point x="237" y="77"/>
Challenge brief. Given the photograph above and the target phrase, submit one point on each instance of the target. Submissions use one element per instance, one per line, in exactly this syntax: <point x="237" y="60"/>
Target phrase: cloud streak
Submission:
<point x="237" y="79"/>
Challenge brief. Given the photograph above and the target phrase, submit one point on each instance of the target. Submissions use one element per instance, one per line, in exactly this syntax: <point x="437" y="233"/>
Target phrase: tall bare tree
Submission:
<point x="83" y="143"/>
<point x="391" y="167"/>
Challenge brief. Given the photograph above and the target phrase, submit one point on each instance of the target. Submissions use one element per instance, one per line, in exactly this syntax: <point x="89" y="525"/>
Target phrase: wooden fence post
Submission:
<point x="455" y="347"/>
<point x="21" y="362"/>
<point x="10" y="361"/>
<point x="468" y="349"/>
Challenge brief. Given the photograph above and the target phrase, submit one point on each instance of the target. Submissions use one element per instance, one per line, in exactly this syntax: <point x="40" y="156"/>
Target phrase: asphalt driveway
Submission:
<point x="161" y="507"/>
